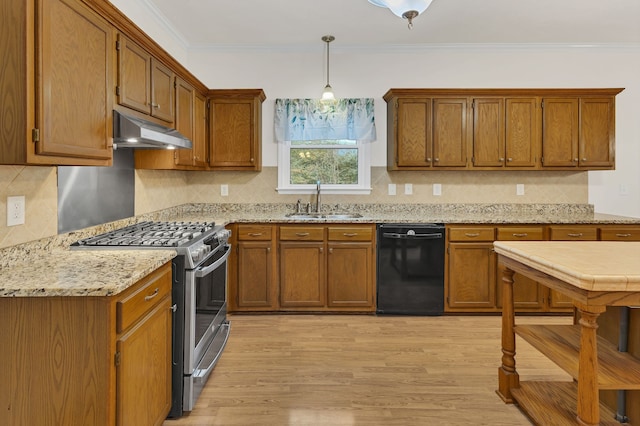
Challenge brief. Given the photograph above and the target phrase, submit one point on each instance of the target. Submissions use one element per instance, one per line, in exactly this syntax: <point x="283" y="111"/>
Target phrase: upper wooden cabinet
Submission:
<point x="500" y="129"/>
<point x="579" y="132"/>
<point x="55" y="84"/>
<point x="235" y="129"/>
<point x="144" y="83"/>
<point x="191" y="122"/>
<point x="505" y="132"/>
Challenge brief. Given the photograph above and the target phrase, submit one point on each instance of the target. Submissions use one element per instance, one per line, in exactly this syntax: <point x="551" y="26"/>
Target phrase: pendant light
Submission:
<point x="327" y="93"/>
<point x="407" y="9"/>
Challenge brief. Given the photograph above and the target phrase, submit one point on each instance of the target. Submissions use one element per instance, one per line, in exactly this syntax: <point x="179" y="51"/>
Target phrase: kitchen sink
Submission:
<point x="324" y="215"/>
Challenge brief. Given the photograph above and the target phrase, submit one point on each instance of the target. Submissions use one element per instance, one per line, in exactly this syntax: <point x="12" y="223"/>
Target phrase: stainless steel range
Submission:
<point x="201" y="328"/>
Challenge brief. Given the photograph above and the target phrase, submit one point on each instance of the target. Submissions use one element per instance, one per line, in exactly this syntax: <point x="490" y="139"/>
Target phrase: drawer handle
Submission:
<point x="152" y="295"/>
<point x="350" y="234"/>
<point x="623" y="235"/>
<point x="524" y="234"/>
<point x="302" y="234"/>
<point x="578" y="235"/>
<point x="471" y="235"/>
<point x="255" y="234"/>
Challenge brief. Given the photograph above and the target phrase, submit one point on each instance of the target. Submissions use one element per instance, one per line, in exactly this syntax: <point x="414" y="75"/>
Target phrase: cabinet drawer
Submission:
<point x="150" y="291"/>
<point x="620" y="234"/>
<point x="301" y="233"/>
<point x="571" y="233"/>
<point x="524" y="233"/>
<point x="350" y="233"/>
<point x="254" y="232"/>
<point x="471" y="234"/>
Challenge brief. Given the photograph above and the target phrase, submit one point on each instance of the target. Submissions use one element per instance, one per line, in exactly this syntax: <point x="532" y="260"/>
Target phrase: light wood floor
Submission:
<point x="352" y="370"/>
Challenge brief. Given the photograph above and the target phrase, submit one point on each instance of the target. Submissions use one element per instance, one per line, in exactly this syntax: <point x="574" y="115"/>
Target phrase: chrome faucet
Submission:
<point x="318" y="197"/>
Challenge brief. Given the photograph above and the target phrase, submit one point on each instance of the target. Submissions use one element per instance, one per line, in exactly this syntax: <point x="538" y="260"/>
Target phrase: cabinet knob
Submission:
<point x="501" y="159"/>
<point x="252" y="160"/>
<point x="584" y="159"/>
<point x="575" y="160"/>
<point x="155" y="105"/>
<point x="436" y="159"/>
<point x="429" y="159"/>
<point x="509" y="159"/>
<point x="330" y="251"/>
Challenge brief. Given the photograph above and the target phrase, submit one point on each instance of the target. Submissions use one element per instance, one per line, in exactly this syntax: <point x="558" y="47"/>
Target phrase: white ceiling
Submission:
<point x="287" y="24"/>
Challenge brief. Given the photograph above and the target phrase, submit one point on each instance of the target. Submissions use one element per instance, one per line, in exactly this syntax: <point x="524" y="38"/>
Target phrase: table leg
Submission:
<point x="588" y="397"/>
<point x="508" y="378"/>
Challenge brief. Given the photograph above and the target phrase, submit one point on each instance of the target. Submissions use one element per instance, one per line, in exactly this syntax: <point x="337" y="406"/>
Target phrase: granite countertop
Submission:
<point x="589" y="265"/>
<point x="48" y="268"/>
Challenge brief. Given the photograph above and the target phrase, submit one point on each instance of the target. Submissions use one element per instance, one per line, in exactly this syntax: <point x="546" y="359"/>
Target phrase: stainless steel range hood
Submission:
<point x="133" y="132"/>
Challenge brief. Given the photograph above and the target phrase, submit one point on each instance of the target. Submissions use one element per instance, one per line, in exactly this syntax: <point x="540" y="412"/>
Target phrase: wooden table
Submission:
<point x="594" y="274"/>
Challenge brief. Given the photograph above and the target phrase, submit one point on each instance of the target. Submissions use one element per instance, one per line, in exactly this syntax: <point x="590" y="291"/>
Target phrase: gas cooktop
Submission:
<point x="151" y="234"/>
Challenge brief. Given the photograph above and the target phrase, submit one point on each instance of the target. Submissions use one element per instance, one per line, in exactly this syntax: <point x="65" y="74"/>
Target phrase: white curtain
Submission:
<point x="312" y="119"/>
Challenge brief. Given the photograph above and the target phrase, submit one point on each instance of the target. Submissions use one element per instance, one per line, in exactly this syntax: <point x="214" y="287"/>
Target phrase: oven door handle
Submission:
<point x="215" y="265"/>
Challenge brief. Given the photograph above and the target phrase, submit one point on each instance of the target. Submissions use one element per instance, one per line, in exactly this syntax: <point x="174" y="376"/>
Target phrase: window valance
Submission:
<point x="312" y="119"/>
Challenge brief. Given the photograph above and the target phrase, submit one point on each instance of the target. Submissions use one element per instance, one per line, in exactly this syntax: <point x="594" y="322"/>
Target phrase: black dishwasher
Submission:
<point x="410" y="269"/>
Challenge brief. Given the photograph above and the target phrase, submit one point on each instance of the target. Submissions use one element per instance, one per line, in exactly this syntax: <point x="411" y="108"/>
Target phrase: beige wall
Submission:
<point x="156" y="190"/>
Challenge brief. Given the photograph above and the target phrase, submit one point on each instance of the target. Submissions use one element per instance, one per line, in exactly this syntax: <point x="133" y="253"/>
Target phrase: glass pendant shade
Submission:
<point x="327" y="93"/>
<point x="399" y="7"/>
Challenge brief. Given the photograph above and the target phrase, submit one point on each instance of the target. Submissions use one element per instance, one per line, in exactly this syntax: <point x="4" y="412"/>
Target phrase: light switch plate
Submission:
<point x="437" y="189"/>
<point x="408" y="189"/>
<point x="392" y="189"/>
<point x="15" y="210"/>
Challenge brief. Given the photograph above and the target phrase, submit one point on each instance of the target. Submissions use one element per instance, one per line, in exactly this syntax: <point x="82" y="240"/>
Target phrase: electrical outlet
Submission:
<point x="520" y="189"/>
<point x="392" y="189"/>
<point x="224" y="190"/>
<point x="15" y="210"/>
<point x="408" y="189"/>
<point x="437" y="189"/>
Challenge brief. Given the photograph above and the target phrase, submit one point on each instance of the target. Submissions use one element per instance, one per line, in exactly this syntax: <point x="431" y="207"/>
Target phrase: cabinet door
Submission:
<point x="143" y="378"/>
<point x="134" y="75"/>
<point x="233" y="135"/>
<point x="256" y="287"/>
<point x="597" y="132"/>
<point x="302" y="275"/>
<point x="74" y="82"/>
<point x="488" y="132"/>
<point x="450" y="132"/>
<point x="471" y="277"/>
<point x="560" y="132"/>
<point x="522" y="142"/>
<point x="349" y="275"/>
<point x="162" y="89"/>
<point x="413" y="137"/>
<point x="185" y="98"/>
<point x="200" y="147"/>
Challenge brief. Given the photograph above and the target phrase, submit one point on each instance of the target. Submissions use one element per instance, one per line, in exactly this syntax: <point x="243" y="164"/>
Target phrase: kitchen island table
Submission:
<point x="594" y="275"/>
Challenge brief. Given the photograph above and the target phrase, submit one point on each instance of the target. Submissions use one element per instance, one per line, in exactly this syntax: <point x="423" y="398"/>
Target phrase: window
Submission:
<point x="341" y="166"/>
<point x="326" y="142"/>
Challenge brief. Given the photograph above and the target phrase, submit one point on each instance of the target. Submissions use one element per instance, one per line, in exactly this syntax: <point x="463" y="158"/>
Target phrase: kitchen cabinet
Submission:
<point x="191" y="122"/>
<point x="302" y="267"/>
<point x="350" y="267"/>
<point x="578" y="132"/>
<point x="505" y="132"/>
<point x="501" y="129"/>
<point x="235" y="129"/>
<point x="528" y="295"/>
<point x="470" y="270"/>
<point x="427" y="132"/>
<point x="145" y="84"/>
<point x="256" y="287"/>
<point x="104" y="357"/>
<point x="56" y="86"/>
<point x="472" y="281"/>
<point x="619" y="233"/>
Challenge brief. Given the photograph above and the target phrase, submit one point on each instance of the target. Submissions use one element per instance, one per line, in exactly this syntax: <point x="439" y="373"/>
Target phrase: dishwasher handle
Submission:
<point x="434" y="236"/>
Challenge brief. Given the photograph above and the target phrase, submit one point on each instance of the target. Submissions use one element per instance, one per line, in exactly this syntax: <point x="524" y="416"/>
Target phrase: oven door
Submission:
<point x="206" y="327"/>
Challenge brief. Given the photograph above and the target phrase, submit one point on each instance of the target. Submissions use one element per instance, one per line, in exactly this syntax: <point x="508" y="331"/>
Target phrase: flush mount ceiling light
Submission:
<point x="407" y="9"/>
<point x="327" y="93"/>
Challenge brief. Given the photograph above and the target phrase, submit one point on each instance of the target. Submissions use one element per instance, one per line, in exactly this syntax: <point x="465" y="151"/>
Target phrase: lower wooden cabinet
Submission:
<point x="471" y="268"/>
<point x="303" y="268"/>
<point x="89" y="360"/>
